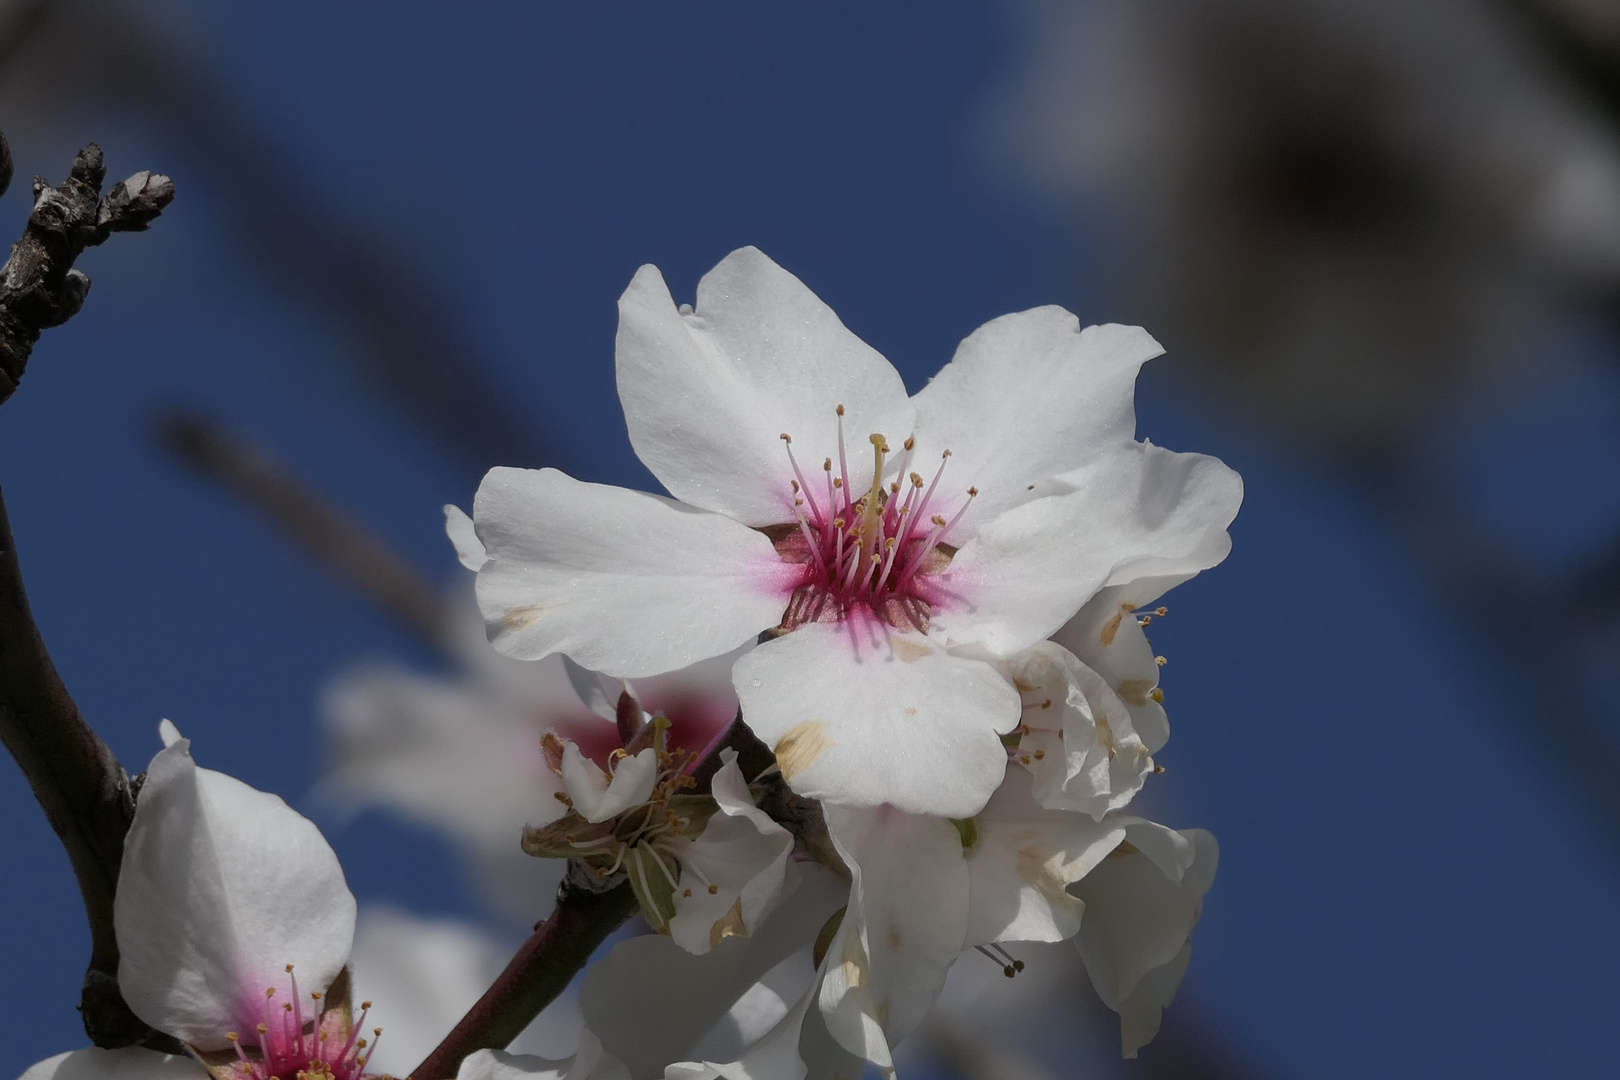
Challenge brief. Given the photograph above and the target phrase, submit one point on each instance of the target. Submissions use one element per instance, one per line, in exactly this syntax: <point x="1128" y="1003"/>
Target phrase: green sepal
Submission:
<point x="653" y="889"/>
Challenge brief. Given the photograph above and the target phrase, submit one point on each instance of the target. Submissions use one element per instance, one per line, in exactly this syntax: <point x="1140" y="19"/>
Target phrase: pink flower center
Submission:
<point x="332" y="1049"/>
<point x="872" y="550"/>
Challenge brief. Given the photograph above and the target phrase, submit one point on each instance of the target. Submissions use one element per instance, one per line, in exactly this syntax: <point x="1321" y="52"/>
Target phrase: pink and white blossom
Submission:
<point x="894" y="546"/>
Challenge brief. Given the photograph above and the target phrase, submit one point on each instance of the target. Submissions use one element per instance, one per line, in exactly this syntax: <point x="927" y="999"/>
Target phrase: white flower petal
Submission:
<point x="1081" y="746"/>
<point x="626" y="583"/>
<point x="221" y="887"/>
<point x="906" y="924"/>
<point x="464" y="538"/>
<point x="590" y="1062"/>
<point x="742" y="854"/>
<point x="1023" y="862"/>
<point x="1139" y="919"/>
<point x="1141" y="1012"/>
<point x="130" y="1063"/>
<point x="1143" y="511"/>
<point x="708" y="394"/>
<point x="600" y="693"/>
<point x="650" y="1001"/>
<point x="774" y="1056"/>
<point x="1107" y="638"/>
<point x="598" y="798"/>
<point x="1026" y="397"/>
<point x="903" y="721"/>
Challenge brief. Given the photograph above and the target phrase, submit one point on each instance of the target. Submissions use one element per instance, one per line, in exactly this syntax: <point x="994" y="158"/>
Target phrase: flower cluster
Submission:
<point x="926" y="614"/>
<point x="939" y="603"/>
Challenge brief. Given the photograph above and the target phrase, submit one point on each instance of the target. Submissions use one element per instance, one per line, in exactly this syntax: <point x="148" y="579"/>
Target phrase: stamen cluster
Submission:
<point x="331" y="1050"/>
<point x="869" y="552"/>
<point x="644" y="842"/>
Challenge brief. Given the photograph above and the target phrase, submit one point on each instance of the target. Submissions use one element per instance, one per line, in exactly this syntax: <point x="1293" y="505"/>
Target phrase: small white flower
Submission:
<point x="1077" y="737"/>
<point x="893" y="543"/>
<point x="1141" y="904"/>
<point x="227" y="899"/>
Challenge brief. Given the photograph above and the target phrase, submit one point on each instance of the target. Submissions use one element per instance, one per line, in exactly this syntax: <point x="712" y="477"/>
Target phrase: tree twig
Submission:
<point x="39" y="288"/>
<point x="79" y="784"/>
<point x="81" y="787"/>
<point x="559" y="947"/>
<point x="325" y="532"/>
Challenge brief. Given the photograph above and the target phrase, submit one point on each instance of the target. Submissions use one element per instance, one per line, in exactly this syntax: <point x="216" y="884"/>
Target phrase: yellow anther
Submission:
<point x="713" y="889"/>
<point x="916" y="480"/>
<point x="365" y="1004"/>
<point x="270" y="992"/>
<point x="785" y="437"/>
<point x="1157" y="695"/>
<point x="316" y="994"/>
<point x="230" y="1036"/>
<point x="261" y="1029"/>
<point x="826" y="465"/>
<point x="288" y="969"/>
<point x="938" y="519"/>
<point x="840" y="410"/>
<point x="1161" y="661"/>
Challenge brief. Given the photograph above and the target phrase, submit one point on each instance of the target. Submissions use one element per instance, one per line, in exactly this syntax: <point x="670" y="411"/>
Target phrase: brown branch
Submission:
<point x="81" y="787"/>
<point x="564" y="942"/>
<point x="556" y="951"/>
<point x="39" y="288"/>
<point x="325" y="532"/>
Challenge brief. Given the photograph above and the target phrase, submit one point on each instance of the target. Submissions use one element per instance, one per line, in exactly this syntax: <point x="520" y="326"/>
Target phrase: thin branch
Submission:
<point x="81" y="787"/>
<point x="411" y="333"/>
<point x="556" y="951"/>
<point x="39" y="288"/>
<point x="325" y="532"/>
<point x="79" y="784"/>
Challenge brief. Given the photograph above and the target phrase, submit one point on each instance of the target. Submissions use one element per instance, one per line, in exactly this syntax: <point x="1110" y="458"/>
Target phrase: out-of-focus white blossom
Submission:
<point x="887" y="589"/>
<point x="464" y="753"/>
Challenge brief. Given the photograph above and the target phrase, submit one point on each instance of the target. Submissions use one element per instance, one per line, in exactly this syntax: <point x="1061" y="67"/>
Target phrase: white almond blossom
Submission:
<point x="1141" y="905"/>
<point x="894" y="546"/>
<point x="233" y="923"/>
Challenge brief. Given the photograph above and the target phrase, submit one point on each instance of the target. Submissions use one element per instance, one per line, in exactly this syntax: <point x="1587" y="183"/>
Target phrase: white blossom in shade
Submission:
<point x="599" y="794"/>
<point x="463" y="752"/>
<point x="130" y="1063"/>
<point x="906" y="923"/>
<point x="227" y="899"/>
<point x="1141" y="904"/>
<point x="589" y="1062"/>
<point x="894" y="546"/>
<point x="652" y="1002"/>
<point x="1108" y="636"/>
<point x="732" y="874"/>
<point x="1022" y="859"/>
<point x="1077" y="737"/>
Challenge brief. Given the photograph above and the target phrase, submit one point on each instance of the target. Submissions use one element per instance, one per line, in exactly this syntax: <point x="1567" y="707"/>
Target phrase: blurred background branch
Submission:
<point x="325" y="533"/>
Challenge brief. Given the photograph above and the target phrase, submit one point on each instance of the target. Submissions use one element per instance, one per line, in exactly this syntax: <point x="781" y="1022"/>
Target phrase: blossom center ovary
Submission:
<point x="332" y="1049"/>
<point x="873" y="550"/>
